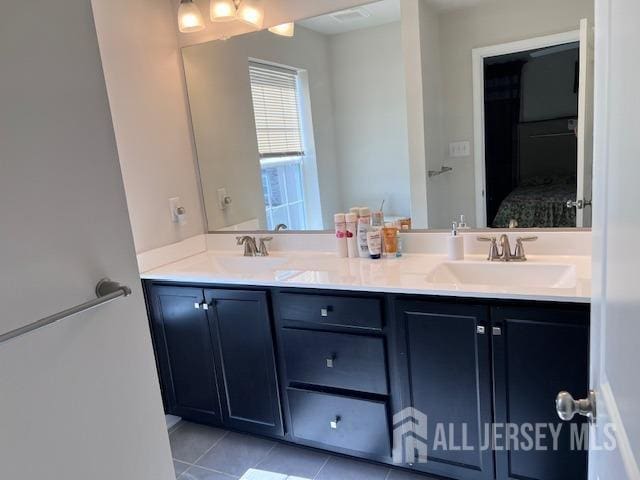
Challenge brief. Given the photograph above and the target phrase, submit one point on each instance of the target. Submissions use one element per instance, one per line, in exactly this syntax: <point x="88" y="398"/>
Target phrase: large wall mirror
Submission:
<point x="428" y="109"/>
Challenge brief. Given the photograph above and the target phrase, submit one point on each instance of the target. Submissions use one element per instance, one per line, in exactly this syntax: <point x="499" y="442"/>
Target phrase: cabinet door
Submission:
<point x="248" y="384"/>
<point x="539" y="352"/>
<point x="444" y="353"/>
<point x="184" y="350"/>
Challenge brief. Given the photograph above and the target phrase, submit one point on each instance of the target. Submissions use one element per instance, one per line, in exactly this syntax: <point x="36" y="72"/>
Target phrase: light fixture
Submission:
<point x="189" y="17"/>
<point x="284" y="29"/>
<point x="251" y="12"/>
<point x="223" y="10"/>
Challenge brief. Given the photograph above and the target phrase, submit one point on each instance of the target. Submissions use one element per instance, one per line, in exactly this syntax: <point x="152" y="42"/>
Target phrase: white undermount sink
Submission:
<point x="505" y="274"/>
<point x="243" y="265"/>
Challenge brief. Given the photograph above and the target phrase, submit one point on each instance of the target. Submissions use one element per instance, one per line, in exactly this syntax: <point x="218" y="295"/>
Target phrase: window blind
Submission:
<point x="275" y="106"/>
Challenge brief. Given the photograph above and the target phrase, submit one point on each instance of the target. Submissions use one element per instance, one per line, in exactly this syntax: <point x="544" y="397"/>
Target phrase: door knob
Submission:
<point x="567" y="407"/>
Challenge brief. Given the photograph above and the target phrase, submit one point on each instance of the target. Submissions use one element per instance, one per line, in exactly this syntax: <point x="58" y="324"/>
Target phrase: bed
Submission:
<point x="539" y="202"/>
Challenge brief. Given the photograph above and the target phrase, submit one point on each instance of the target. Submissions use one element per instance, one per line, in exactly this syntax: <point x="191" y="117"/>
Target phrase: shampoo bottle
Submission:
<point x="352" y="232"/>
<point x="341" y="235"/>
<point x="455" y="244"/>
<point x="364" y="223"/>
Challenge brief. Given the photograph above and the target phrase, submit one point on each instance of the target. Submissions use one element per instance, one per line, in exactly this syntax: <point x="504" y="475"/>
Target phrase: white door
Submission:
<point x="615" y="328"/>
<point x="585" y="126"/>
<point x="79" y="399"/>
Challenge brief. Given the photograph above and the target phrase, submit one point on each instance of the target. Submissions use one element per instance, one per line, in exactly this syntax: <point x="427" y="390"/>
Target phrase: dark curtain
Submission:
<point x="501" y="116"/>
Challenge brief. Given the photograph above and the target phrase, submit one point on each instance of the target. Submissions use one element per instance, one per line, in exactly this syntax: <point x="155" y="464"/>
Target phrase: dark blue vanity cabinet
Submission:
<point x="537" y="352"/>
<point x="334" y="371"/>
<point x="349" y="366"/>
<point x="184" y="347"/>
<point x="445" y="356"/>
<point x="216" y="356"/>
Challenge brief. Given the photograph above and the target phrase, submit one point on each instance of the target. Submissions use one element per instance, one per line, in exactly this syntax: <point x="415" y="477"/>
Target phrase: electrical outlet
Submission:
<point x="459" y="149"/>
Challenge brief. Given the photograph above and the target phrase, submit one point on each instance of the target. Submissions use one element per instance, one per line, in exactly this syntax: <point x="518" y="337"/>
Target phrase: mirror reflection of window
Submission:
<point x="276" y="107"/>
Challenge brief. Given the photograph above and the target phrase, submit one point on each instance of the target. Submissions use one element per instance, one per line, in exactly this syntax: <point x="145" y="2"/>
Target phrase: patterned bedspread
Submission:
<point x="538" y="206"/>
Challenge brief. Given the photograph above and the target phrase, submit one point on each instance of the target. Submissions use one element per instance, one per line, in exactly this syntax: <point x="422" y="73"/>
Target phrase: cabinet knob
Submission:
<point x="196" y="306"/>
<point x="205" y="306"/>
<point x="480" y="329"/>
<point x="497" y="331"/>
<point x="331" y="361"/>
<point x="324" y="312"/>
<point x="334" y="423"/>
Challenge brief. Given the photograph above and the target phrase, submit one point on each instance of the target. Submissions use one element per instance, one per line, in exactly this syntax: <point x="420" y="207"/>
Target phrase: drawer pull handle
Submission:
<point x="480" y="329"/>
<point x="205" y="306"/>
<point x="334" y="423"/>
<point x="497" y="331"/>
<point x="331" y="361"/>
<point x="324" y="312"/>
<point x="196" y="306"/>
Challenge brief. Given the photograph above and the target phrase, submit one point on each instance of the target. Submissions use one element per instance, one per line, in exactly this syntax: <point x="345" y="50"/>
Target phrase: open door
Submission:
<point x="79" y="397"/>
<point x="614" y="450"/>
<point x="585" y="127"/>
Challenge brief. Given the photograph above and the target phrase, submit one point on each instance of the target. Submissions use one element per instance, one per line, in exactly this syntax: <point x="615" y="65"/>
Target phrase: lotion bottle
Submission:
<point x="364" y="224"/>
<point x="455" y="244"/>
<point x="352" y="232"/>
<point x="341" y="235"/>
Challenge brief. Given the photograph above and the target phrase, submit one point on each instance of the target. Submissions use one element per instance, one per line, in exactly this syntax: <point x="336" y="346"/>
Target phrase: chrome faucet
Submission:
<point x="250" y="248"/>
<point x="253" y="248"/>
<point x="503" y="253"/>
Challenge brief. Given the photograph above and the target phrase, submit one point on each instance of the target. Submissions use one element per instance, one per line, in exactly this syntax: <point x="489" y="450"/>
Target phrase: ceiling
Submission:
<point x="356" y="18"/>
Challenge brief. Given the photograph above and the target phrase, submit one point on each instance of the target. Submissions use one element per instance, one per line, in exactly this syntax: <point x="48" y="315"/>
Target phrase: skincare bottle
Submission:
<point x="364" y="224"/>
<point x="352" y="232"/>
<point x="374" y="243"/>
<point x="455" y="244"/>
<point x="390" y="241"/>
<point x="341" y="235"/>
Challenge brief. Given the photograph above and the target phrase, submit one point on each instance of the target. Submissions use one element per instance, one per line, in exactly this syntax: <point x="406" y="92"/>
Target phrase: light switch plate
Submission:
<point x="459" y="149"/>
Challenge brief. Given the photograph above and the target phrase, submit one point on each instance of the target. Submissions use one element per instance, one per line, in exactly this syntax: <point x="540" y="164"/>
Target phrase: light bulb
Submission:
<point x="223" y="10"/>
<point x="284" y="29"/>
<point x="189" y="17"/>
<point x="251" y="12"/>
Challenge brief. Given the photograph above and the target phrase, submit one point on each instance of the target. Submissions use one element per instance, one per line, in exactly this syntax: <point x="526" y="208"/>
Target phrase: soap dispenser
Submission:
<point x="455" y="245"/>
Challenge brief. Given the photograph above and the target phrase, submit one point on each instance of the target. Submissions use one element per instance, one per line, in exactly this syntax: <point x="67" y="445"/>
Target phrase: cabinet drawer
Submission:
<point x="332" y="310"/>
<point x="340" y="422"/>
<point x="338" y="360"/>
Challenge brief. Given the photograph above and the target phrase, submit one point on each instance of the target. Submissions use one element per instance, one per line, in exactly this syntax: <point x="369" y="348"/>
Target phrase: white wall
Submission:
<point x="412" y="55"/>
<point x="145" y="82"/>
<point x="371" y="118"/>
<point x="460" y="31"/>
<point x="432" y="84"/>
<point x="222" y="110"/>
<point x="79" y="399"/>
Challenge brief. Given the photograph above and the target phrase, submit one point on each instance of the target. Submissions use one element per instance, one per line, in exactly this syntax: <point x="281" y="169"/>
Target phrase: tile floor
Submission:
<point x="206" y="453"/>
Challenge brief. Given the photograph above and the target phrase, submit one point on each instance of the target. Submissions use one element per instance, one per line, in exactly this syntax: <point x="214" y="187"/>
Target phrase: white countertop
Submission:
<point x="407" y="275"/>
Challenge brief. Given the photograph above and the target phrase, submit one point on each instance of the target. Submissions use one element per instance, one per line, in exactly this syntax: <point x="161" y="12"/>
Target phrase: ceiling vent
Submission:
<point x="351" y="15"/>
